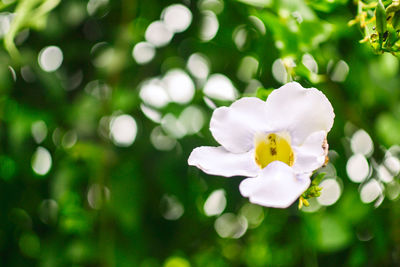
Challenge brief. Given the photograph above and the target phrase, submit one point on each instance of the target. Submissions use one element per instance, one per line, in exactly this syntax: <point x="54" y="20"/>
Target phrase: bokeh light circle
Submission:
<point x="143" y="52"/>
<point x="177" y="17"/>
<point x="50" y="58"/>
<point x="123" y="130"/>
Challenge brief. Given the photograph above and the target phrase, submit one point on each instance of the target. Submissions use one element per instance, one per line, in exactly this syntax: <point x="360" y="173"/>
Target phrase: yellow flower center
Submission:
<point x="271" y="147"/>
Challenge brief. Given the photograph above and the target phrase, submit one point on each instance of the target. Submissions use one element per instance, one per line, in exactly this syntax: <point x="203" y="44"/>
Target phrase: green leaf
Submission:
<point x="263" y="93"/>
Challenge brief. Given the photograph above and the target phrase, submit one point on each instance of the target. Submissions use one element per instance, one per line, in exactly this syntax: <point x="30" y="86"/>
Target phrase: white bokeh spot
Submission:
<point x="41" y="161"/>
<point x="177" y="17"/>
<point x="123" y="130"/>
<point x="215" y="203"/>
<point x="143" y="52"/>
<point x="50" y="58"/>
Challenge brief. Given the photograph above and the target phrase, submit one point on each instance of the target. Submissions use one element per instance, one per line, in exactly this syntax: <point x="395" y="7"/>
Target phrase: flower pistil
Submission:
<point x="271" y="147"/>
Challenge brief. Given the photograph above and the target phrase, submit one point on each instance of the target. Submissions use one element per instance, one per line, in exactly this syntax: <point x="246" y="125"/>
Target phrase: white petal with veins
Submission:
<point x="276" y="186"/>
<point x="234" y="127"/>
<point x="299" y="111"/>
<point x="311" y="154"/>
<point x="219" y="161"/>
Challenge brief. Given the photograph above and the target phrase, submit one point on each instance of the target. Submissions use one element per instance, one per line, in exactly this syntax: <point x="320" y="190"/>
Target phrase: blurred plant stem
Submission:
<point x="28" y="13"/>
<point x="122" y="46"/>
<point x="123" y="41"/>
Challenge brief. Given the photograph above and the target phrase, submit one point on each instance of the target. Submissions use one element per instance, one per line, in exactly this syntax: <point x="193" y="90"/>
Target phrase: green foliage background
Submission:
<point x="129" y="228"/>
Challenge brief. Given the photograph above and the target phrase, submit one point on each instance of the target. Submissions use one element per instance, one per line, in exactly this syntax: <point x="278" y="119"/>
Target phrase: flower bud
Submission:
<point x="380" y="15"/>
<point x="396" y="20"/>
<point x="392" y="37"/>
<point x="393" y="7"/>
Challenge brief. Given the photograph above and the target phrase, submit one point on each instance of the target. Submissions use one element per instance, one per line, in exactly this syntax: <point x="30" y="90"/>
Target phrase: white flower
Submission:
<point x="277" y="143"/>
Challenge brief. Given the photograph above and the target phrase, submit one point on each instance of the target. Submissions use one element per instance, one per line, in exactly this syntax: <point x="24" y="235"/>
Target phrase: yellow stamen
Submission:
<point x="303" y="201"/>
<point x="272" y="147"/>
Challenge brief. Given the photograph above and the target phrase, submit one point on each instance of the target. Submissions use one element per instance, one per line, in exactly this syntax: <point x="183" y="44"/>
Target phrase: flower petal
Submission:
<point x="276" y="186"/>
<point x="234" y="127"/>
<point x="219" y="161"/>
<point x="299" y="111"/>
<point x="311" y="154"/>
